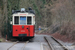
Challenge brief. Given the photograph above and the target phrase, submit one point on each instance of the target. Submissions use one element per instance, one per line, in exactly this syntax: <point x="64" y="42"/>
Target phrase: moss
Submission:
<point x="1" y="40"/>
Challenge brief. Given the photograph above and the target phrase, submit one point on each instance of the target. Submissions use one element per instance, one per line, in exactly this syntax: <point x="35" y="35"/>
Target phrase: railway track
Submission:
<point x="59" y="43"/>
<point x="51" y="46"/>
<point x="24" y="45"/>
<point x="12" y="45"/>
<point x="16" y="43"/>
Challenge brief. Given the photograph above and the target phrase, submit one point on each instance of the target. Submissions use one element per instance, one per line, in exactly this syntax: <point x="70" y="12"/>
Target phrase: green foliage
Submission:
<point x="12" y="5"/>
<point x="44" y="1"/>
<point x="1" y="3"/>
<point x="36" y="10"/>
<point x="50" y="2"/>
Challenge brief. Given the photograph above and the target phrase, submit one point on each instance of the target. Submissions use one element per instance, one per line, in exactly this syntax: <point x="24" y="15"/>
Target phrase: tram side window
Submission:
<point x="29" y="20"/>
<point x="16" y="20"/>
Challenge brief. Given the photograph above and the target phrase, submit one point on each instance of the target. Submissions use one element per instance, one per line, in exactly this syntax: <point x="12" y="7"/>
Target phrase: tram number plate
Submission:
<point x="22" y="30"/>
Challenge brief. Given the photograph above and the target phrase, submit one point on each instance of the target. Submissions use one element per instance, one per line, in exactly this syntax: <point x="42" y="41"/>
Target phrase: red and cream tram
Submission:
<point x="23" y="23"/>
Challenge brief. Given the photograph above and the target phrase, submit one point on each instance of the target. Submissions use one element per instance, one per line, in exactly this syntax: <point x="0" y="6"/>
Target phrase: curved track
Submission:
<point x="51" y="46"/>
<point x="16" y="43"/>
<point x="59" y="43"/>
<point x="12" y="45"/>
<point x="24" y="45"/>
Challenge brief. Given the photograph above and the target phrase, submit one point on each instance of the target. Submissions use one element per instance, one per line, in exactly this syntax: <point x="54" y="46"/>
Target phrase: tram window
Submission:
<point x="16" y="20"/>
<point x="29" y="20"/>
<point x="22" y="20"/>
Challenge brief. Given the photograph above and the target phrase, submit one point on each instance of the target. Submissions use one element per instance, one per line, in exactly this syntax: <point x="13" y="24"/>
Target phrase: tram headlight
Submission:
<point x="10" y="22"/>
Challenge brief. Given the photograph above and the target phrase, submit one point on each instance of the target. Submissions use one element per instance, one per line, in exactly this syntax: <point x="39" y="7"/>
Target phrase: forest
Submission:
<point x="55" y="15"/>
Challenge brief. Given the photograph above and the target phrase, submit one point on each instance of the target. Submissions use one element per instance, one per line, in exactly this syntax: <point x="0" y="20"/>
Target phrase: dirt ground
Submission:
<point x="58" y="36"/>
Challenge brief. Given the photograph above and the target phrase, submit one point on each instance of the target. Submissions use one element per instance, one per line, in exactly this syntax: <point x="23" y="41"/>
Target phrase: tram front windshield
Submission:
<point x="22" y="20"/>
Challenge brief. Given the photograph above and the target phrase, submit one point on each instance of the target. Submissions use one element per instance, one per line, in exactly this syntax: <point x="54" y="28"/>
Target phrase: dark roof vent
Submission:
<point x="30" y="8"/>
<point x="23" y="10"/>
<point x="15" y="11"/>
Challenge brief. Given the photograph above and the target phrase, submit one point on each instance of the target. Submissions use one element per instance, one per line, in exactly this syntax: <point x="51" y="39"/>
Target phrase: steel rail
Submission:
<point x="50" y="46"/>
<point x="12" y="45"/>
<point x="24" y="45"/>
<point x="59" y="43"/>
<point x="16" y="43"/>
